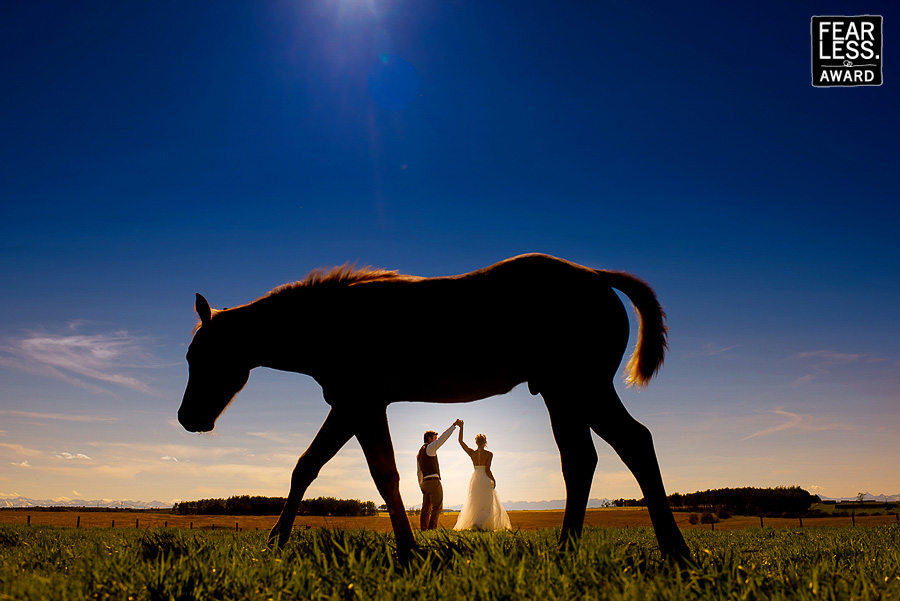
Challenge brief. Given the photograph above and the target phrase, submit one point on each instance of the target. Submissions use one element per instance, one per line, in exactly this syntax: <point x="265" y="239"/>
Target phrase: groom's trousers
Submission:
<point x="432" y="503"/>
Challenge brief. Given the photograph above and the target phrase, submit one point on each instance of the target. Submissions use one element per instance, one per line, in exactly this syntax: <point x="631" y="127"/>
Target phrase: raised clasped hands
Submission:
<point x="458" y="422"/>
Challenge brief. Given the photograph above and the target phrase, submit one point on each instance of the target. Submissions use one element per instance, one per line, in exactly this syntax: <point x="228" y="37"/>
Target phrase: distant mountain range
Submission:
<point x="66" y="502"/>
<point x="866" y="497"/>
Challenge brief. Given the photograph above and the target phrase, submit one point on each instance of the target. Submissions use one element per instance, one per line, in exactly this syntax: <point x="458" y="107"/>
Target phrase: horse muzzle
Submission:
<point x="194" y="423"/>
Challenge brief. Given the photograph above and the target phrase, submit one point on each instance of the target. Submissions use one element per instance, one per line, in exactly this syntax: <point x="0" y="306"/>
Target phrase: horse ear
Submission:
<point x="203" y="310"/>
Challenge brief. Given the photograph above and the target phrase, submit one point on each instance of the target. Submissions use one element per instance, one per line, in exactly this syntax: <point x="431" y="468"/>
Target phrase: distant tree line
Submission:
<point x="247" y="505"/>
<point x="738" y="501"/>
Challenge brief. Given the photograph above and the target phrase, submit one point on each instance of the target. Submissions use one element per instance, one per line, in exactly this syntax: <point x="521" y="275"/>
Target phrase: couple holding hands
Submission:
<point x="482" y="509"/>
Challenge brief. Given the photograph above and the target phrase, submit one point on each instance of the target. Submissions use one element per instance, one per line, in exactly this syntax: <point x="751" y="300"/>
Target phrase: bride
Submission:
<point x="482" y="509"/>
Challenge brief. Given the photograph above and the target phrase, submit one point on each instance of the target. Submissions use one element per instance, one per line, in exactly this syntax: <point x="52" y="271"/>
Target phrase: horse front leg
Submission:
<point x="375" y="439"/>
<point x="333" y="435"/>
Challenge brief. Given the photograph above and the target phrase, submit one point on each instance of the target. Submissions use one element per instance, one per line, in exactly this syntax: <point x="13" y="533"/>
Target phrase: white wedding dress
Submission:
<point x="482" y="509"/>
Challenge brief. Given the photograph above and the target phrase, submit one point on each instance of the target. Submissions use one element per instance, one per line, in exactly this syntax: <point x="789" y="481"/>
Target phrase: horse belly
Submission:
<point x="450" y="386"/>
<point x="465" y="390"/>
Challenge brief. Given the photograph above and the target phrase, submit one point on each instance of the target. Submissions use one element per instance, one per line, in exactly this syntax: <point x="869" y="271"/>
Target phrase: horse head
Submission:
<point x="215" y="372"/>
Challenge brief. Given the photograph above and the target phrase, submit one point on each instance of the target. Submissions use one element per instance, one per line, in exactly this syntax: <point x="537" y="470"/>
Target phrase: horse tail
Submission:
<point x="651" y="346"/>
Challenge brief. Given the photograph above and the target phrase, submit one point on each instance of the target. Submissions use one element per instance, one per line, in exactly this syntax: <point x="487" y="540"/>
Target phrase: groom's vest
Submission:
<point x="428" y="463"/>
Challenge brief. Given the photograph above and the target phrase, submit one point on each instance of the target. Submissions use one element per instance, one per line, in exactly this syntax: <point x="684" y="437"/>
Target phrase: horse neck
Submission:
<point x="268" y="337"/>
<point x="251" y="333"/>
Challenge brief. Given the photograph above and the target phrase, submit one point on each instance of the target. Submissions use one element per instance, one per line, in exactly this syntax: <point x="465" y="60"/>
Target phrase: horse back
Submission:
<point x="460" y="338"/>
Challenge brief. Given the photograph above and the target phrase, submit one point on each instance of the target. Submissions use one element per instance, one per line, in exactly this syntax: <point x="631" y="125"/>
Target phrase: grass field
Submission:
<point x="47" y="562"/>
<point x="521" y="520"/>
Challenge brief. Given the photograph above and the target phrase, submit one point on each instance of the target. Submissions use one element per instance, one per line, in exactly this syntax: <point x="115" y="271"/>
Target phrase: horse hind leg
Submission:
<point x="577" y="457"/>
<point x="633" y="443"/>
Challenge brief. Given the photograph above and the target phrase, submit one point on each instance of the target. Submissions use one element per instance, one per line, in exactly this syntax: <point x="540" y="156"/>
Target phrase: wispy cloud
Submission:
<point x="796" y="421"/>
<point x="835" y="358"/>
<point x="19" y="449"/>
<point x="89" y="361"/>
<point x="72" y="456"/>
<point x="823" y="362"/>
<point x="146" y="452"/>
<point x="60" y="416"/>
<point x="292" y="439"/>
<point x="17" y="452"/>
<point x="711" y="348"/>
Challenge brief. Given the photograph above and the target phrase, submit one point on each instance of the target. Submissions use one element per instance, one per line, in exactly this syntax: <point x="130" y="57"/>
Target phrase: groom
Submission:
<point x="430" y="477"/>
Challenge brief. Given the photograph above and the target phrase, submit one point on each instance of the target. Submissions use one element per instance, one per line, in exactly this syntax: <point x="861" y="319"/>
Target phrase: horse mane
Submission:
<point x="345" y="275"/>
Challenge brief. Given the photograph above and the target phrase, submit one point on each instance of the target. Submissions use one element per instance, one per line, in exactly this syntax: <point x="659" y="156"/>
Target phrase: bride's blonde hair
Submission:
<point x="481" y="440"/>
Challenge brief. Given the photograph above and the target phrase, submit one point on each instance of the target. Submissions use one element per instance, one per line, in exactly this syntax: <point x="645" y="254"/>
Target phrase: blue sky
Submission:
<point x="154" y="150"/>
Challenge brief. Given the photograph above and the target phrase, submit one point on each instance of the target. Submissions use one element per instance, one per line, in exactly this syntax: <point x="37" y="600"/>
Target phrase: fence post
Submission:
<point x="29" y="520"/>
<point x="236" y="527"/>
<point x="78" y="522"/>
<point x="853" y="517"/>
<point x="113" y="524"/>
<point x="137" y="523"/>
<point x="760" y="521"/>
<point x="801" y="521"/>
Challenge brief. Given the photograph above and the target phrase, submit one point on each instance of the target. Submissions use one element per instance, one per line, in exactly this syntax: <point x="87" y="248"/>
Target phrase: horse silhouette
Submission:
<point x="371" y="337"/>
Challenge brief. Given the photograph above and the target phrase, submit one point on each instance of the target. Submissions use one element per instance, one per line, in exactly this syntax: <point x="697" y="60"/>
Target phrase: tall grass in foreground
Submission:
<point x="619" y="564"/>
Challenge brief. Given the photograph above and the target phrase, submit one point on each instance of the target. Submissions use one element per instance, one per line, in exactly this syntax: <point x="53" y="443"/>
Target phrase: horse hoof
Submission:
<point x="276" y="539"/>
